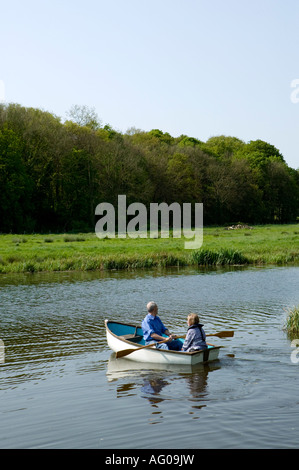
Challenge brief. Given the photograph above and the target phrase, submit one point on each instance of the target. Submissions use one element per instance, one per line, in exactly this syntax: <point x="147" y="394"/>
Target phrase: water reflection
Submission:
<point x="151" y="388"/>
<point x="158" y="383"/>
<point x="55" y="277"/>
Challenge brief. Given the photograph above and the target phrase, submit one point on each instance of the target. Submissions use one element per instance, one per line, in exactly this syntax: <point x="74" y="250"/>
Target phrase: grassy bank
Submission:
<point x="268" y="244"/>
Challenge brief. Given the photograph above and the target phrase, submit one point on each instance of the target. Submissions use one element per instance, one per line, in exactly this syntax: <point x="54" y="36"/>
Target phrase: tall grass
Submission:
<point x="220" y="257"/>
<point x="292" y="322"/>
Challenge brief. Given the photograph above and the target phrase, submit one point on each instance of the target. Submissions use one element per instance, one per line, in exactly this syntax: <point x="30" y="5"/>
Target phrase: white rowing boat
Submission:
<point x="124" y="336"/>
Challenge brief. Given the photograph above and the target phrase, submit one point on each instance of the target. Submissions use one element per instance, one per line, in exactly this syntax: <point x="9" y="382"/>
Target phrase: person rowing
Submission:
<point x="154" y="329"/>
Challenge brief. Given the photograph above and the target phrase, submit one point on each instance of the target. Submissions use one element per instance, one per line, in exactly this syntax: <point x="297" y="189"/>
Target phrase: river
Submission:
<point x="61" y="386"/>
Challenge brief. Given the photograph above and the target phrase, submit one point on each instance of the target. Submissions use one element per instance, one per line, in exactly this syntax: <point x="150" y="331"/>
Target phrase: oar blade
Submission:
<point x="224" y="334"/>
<point x="124" y="352"/>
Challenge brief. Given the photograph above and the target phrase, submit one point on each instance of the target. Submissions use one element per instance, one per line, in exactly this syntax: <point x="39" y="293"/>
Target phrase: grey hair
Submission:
<point x="151" y="306"/>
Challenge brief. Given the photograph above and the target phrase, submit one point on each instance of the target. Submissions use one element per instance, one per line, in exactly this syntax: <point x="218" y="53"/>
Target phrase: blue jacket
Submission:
<point x="195" y="338"/>
<point x="152" y="324"/>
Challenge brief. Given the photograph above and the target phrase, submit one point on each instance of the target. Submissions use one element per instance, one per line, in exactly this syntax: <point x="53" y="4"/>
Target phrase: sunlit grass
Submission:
<point x="292" y="322"/>
<point x="269" y="244"/>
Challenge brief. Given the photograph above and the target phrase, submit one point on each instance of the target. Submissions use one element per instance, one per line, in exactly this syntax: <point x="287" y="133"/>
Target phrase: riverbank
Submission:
<point x="267" y="244"/>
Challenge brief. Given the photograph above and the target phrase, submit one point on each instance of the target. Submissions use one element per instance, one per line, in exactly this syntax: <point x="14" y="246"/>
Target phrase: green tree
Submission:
<point x="185" y="141"/>
<point x="84" y="116"/>
<point x="280" y="193"/>
<point x="180" y="174"/>
<point x="223" y="147"/>
<point x="272" y="178"/>
<point x="16" y="186"/>
<point x="53" y="174"/>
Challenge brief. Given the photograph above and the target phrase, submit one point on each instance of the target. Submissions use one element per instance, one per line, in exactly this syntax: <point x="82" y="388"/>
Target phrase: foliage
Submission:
<point x="205" y="257"/>
<point x="292" y="322"/>
<point x="54" y="174"/>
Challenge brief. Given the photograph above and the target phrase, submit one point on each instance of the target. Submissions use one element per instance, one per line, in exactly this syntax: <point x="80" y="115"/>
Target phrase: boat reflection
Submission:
<point x="151" y="381"/>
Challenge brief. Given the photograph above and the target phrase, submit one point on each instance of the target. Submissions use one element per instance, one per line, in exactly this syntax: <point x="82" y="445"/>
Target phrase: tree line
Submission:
<point x="53" y="173"/>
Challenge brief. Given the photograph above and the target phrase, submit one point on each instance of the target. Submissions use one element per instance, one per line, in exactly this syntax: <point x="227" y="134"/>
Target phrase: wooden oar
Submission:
<point x="221" y="334"/>
<point x="125" y="352"/>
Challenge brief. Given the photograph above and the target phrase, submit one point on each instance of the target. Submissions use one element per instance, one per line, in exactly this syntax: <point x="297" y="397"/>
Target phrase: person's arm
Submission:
<point x="157" y="337"/>
<point x="161" y="329"/>
<point x="167" y="332"/>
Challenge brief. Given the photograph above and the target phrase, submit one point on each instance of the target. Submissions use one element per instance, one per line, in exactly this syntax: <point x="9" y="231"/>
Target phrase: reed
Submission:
<point x="292" y="322"/>
<point x="221" y="257"/>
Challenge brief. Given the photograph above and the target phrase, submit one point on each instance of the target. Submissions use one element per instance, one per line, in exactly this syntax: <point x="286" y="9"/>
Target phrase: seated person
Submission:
<point x="153" y="329"/>
<point x="196" y="337"/>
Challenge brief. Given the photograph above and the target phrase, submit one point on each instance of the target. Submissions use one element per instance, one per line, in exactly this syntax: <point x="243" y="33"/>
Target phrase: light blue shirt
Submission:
<point x="152" y="324"/>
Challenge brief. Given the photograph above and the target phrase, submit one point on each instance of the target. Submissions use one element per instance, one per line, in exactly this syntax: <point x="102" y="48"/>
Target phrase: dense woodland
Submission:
<point x="53" y="173"/>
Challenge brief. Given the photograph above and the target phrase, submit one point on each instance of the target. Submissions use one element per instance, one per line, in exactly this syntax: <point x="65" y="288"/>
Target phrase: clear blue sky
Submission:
<point x="194" y="67"/>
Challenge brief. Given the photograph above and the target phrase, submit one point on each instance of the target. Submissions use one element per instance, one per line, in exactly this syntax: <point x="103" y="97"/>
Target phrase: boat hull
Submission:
<point x="122" y="336"/>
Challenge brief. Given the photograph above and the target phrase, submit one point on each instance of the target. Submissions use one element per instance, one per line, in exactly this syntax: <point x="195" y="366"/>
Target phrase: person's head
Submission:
<point x="192" y="319"/>
<point x="152" y="308"/>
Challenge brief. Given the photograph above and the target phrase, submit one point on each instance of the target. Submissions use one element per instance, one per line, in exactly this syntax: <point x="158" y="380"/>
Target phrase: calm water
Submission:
<point x="61" y="387"/>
